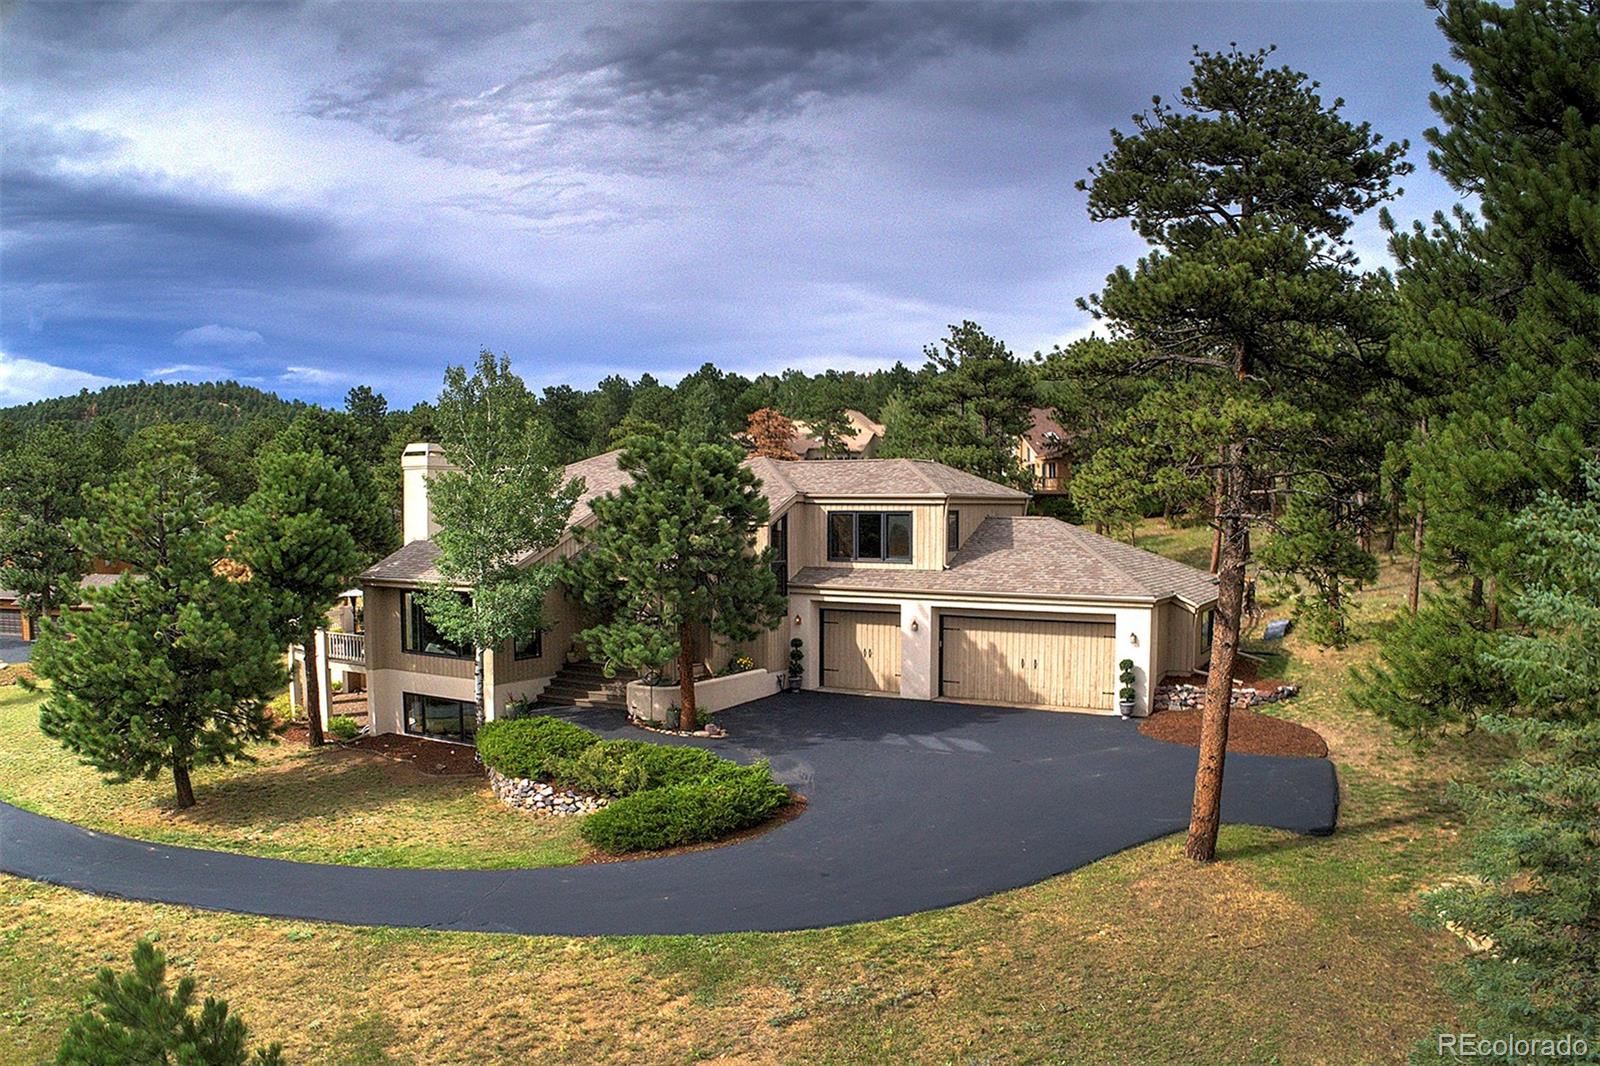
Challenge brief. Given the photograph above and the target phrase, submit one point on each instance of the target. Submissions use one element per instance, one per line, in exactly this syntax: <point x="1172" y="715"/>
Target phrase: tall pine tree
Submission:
<point x="1248" y="312"/>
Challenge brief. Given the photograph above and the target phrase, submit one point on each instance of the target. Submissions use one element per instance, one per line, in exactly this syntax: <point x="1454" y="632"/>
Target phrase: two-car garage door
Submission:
<point x="1028" y="660"/>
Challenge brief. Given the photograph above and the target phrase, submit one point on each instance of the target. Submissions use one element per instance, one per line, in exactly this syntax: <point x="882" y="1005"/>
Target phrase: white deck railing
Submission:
<point x="348" y="647"/>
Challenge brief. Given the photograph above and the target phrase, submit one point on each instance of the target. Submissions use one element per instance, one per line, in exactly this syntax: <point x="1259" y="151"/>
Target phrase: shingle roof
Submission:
<point x="412" y="564"/>
<point x="1034" y="556"/>
<point x="1045" y="434"/>
<point x="890" y="477"/>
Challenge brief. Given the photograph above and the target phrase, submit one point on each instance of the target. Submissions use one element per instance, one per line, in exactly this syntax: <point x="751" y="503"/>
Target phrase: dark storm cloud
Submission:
<point x="674" y="70"/>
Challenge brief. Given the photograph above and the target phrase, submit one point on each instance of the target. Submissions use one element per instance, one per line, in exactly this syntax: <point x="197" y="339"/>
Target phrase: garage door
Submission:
<point x="10" y="622"/>
<point x="861" y="650"/>
<point x="1028" y="660"/>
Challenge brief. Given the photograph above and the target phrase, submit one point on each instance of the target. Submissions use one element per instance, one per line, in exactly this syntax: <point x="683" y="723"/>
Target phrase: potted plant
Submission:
<point x="797" y="663"/>
<point x="1128" y="697"/>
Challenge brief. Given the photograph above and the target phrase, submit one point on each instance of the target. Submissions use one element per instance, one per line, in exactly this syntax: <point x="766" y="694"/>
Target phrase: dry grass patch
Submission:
<point x="332" y="804"/>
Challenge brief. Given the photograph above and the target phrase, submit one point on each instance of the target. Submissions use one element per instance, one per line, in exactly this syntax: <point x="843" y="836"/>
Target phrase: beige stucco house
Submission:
<point x="1042" y="451"/>
<point x="861" y="442"/>
<point x="904" y="577"/>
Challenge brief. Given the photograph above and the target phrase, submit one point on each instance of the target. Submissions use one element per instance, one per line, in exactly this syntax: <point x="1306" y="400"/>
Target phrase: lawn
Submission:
<point x="331" y="805"/>
<point x="1289" y="948"/>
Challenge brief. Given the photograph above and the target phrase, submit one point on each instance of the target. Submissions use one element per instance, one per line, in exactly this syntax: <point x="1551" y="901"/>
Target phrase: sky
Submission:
<point x="309" y="196"/>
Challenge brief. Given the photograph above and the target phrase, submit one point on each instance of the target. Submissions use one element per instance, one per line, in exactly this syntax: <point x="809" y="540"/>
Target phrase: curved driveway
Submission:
<point x="913" y="806"/>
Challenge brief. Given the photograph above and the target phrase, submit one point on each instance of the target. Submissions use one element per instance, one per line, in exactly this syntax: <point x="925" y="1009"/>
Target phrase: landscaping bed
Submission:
<point x="655" y="796"/>
<point x="1249" y="732"/>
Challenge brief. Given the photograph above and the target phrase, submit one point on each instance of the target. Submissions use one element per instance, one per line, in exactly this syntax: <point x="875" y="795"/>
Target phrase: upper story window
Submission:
<point x="952" y="530"/>
<point x="1050" y="470"/>
<point x="528" y="649"/>
<point x="417" y="634"/>
<point x="780" y="553"/>
<point x="873" y="536"/>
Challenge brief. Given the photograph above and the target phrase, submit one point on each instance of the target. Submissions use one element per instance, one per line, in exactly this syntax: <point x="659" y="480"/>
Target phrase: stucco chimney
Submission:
<point x="418" y="463"/>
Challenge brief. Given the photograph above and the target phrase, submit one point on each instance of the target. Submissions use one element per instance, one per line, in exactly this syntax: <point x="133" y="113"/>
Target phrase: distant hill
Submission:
<point x="223" y="404"/>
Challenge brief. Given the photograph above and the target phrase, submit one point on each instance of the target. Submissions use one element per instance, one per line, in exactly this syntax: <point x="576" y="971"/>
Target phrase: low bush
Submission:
<point x="730" y="798"/>
<point x="343" y="727"/>
<point x="623" y="767"/>
<point x="531" y="747"/>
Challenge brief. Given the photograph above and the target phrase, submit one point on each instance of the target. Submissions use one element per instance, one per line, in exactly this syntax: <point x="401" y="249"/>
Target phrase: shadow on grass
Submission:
<point x="311" y="785"/>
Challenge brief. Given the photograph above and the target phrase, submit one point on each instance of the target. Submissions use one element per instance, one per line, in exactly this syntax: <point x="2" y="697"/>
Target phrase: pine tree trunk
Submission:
<point x="686" y="705"/>
<point x="477" y="685"/>
<point x="1206" y="813"/>
<point x="1492" y="591"/>
<point x="181" y="785"/>
<point x="1216" y="529"/>
<point x="1417" y="528"/>
<point x="313" y="694"/>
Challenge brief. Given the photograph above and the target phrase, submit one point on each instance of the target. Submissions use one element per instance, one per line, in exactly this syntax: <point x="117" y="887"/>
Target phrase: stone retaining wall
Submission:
<point x="1173" y="696"/>
<point x="538" y="797"/>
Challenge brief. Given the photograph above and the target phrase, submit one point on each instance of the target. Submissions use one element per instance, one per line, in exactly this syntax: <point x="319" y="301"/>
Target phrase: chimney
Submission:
<point x="418" y="463"/>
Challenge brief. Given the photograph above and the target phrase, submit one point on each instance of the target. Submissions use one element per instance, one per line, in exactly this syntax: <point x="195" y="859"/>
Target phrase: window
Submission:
<point x="528" y="649"/>
<point x="869" y="535"/>
<point x="1050" y="471"/>
<point x="1208" y="624"/>
<point x="952" y="530"/>
<point x="780" y="553"/>
<point x="417" y="634"/>
<point x="439" y="718"/>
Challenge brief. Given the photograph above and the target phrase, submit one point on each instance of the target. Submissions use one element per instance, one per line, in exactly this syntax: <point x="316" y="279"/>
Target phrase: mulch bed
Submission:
<point x="11" y="673"/>
<point x="787" y="813"/>
<point x="428" y="756"/>
<point x="1249" y="732"/>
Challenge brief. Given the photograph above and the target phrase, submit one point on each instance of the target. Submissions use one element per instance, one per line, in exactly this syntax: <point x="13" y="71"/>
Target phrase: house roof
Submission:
<point x="1044" y="434"/>
<point x="781" y="482"/>
<point x="862" y="432"/>
<point x="1033" y="556"/>
<point x="88" y="581"/>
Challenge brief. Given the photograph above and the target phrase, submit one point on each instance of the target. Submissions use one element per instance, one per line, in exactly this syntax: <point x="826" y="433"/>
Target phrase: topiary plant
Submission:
<point x="797" y="660"/>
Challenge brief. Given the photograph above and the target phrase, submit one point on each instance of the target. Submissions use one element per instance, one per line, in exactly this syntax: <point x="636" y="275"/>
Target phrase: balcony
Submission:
<point x="347" y="648"/>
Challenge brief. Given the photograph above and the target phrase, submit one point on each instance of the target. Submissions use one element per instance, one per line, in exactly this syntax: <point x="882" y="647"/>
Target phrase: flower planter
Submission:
<point x="654" y="703"/>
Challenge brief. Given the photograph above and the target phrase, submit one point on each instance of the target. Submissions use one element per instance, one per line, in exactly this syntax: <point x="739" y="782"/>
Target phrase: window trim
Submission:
<point x="408" y="604"/>
<point x="882" y="518"/>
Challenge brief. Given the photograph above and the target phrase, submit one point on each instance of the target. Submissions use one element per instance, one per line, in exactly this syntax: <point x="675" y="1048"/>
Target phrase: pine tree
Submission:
<point x="1535" y="904"/>
<point x="42" y="477"/>
<point x="1264" y="341"/>
<point x="673" y="551"/>
<point x="294" y="535"/>
<point x="134" y="1018"/>
<point x="170" y="667"/>
<point x="503" y="505"/>
<point x="972" y="401"/>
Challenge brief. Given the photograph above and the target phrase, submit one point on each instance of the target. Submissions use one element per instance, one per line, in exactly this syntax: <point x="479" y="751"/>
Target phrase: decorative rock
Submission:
<point x="1171" y="697"/>
<point x="541" y="797"/>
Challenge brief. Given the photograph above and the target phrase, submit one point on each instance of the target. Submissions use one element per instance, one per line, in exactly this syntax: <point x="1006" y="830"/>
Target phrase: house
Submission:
<point x="903" y="577"/>
<point x="862" y="442"/>
<point x="15" y="622"/>
<point x="1042" y="451"/>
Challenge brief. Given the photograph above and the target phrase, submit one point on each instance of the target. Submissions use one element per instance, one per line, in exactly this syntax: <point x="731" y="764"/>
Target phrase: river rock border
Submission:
<point x="538" y="797"/>
<point x="1174" y="696"/>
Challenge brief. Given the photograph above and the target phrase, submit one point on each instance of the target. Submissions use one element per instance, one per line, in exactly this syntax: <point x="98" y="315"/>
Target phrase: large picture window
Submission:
<point x="439" y="718"/>
<point x="873" y="536"/>
<point x="417" y="634"/>
<point x="528" y="649"/>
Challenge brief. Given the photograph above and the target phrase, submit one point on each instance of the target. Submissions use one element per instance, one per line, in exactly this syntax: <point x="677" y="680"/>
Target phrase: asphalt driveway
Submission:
<point x="14" y="650"/>
<point x="913" y="806"/>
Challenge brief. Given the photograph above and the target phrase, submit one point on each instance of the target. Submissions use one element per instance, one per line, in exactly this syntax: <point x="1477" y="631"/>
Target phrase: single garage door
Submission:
<point x="10" y="622"/>
<point x="861" y="650"/>
<point x="1028" y="660"/>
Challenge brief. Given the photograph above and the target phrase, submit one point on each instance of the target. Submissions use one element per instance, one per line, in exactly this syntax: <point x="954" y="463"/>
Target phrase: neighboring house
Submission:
<point x="903" y="576"/>
<point x="1042" y="451"/>
<point x="15" y="622"/>
<point x="862" y="442"/>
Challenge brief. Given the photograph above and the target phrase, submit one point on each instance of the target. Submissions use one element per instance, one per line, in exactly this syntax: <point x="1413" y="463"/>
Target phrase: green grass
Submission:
<point x="1288" y="949"/>
<point x="333" y="805"/>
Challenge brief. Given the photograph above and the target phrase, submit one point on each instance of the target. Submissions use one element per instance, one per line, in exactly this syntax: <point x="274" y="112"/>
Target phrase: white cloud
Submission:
<point x="311" y="375"/>
<point x="186" y="368"/>
<point x="26" y="380"/>
<point x="212" y="335"/>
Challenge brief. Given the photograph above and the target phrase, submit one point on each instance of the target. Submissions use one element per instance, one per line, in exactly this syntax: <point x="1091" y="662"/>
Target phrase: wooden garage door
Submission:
<point x="10" y="622"/>
<point x="1029" y="660"/>
<point x="861" y="650"/>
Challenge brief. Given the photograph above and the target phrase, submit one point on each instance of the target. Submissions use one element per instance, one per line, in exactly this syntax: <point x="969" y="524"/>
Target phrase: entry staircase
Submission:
<point x="584" y="684"/>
